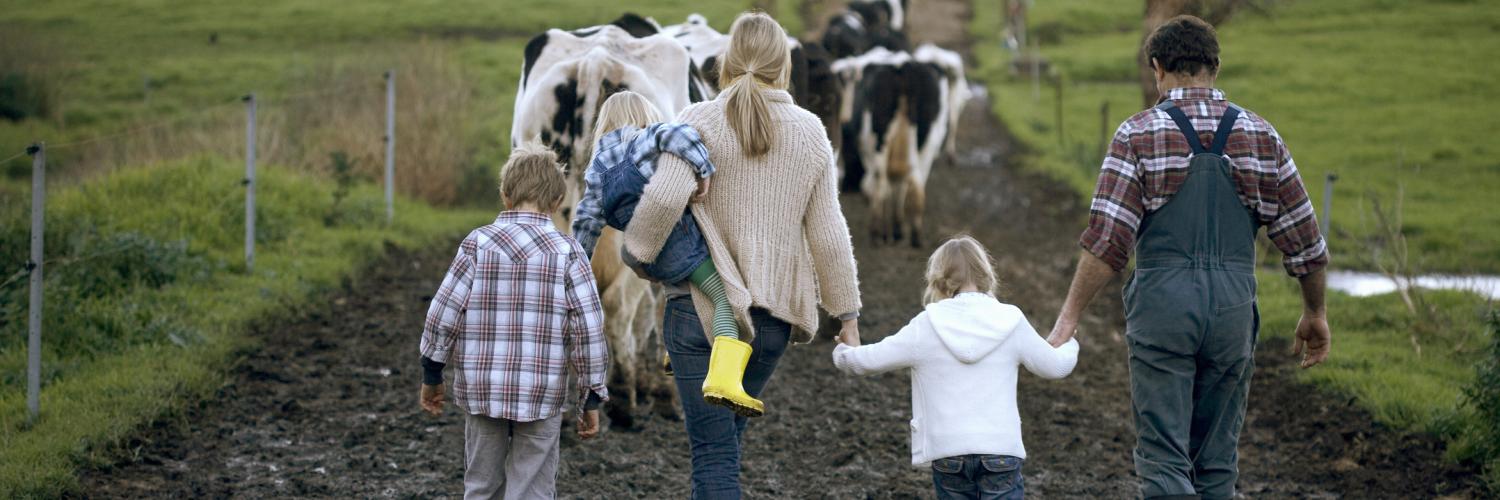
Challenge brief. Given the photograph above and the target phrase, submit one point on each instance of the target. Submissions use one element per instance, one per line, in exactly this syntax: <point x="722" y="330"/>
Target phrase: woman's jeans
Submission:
<point x="978" y="477"/>
<point x="714" y="431"/>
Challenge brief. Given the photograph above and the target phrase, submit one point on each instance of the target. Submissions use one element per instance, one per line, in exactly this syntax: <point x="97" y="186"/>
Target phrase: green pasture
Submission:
<point x="148" y="300"/>
<point x="1392" y="96"/>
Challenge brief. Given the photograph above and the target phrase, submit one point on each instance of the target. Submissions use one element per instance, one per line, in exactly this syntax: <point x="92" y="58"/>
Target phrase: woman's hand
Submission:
<point x="849" y="333"/>
<point x="701" y="194"/>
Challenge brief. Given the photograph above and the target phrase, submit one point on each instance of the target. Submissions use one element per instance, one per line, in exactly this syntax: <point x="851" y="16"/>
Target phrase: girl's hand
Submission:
<point x="701" y="194"/>
<point x="849" y="333"/>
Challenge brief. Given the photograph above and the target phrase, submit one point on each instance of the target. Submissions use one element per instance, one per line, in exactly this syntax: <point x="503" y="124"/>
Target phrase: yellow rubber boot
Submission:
<point x="726" y="370"/>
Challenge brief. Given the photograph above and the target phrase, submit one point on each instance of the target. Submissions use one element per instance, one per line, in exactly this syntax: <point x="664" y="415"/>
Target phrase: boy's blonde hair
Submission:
<point x="533" y="175"/>
<point x="958" y="262"/>
<point x="624" y="109"/>
<point x="758" y="56"/>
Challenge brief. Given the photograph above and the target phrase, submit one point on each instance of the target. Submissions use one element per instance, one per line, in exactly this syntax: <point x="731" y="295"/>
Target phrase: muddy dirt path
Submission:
<point x="328" y="406"/>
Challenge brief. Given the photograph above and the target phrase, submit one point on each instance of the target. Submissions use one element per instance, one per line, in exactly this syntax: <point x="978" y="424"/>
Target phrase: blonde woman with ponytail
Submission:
<point x="775" y="232"/>
<point x="964" y="352"/>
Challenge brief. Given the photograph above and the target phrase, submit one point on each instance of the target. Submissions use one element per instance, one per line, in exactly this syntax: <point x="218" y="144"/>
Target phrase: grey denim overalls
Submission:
<point x="1191" y="324"/>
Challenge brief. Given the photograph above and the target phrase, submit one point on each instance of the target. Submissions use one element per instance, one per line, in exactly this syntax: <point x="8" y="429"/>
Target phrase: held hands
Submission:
<point x="432" y="399"/>
<point x="1062" y="332"/>
<point x="588" y="424"/>
<point x="1313" y="339"/>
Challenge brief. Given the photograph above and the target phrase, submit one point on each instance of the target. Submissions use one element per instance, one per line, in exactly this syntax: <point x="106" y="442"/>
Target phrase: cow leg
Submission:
<point x="903" y="187"/>
<point x="916" y="206"/>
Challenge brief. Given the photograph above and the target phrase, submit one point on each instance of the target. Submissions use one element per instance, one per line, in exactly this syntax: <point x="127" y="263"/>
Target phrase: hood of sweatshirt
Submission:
<point x="972" y="325"/>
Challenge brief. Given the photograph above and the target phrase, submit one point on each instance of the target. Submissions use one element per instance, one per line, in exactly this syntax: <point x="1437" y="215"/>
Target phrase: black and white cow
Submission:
<point x="889" y="13"/>
<point x="952" y="66"/>
<point x="565" y="78"/>
<point x="850" y="34"/>
<point x="895" y="121"/>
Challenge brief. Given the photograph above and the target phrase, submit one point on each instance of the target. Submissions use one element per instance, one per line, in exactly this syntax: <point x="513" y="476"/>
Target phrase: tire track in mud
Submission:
<point x="327" y="407"/>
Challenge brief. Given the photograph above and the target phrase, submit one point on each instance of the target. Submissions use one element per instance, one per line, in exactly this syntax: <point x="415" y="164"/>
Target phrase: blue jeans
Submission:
<point x="978" y="477"/>
<point x="714" y="431"/>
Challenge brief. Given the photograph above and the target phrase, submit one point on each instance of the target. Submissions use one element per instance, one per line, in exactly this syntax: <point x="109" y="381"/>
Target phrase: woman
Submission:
<point x="774" y="230"/>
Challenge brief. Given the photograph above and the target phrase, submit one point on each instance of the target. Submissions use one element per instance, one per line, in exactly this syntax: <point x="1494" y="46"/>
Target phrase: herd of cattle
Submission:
<point x="888" y="109"/>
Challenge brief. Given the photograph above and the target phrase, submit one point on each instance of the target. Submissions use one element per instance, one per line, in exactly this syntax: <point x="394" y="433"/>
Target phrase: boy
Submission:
<point x="516" y="311"/>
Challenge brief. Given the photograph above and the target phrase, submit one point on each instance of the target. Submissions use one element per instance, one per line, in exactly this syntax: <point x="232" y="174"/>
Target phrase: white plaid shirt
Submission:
<point x="517" y="310"/>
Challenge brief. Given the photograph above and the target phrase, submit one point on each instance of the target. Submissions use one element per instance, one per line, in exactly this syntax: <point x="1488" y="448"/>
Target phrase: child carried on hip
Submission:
<point x="629" y="137"/>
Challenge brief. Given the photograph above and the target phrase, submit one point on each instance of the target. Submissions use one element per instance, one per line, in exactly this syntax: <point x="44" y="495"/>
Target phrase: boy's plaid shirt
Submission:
<point x="1148" y="161"/>
<point x="517" y="311"/>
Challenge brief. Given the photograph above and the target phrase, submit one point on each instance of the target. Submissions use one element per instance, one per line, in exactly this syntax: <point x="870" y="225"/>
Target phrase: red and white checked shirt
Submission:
<point x="517" y="311"/>
<point x="1148" y="162"/>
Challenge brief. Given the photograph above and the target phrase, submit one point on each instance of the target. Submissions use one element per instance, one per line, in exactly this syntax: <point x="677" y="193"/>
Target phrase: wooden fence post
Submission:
<point x="38" y="153"/>
<point x="249" y="182"/>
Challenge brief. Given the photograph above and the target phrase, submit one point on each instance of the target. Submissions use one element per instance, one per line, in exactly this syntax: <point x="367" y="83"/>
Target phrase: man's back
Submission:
<point x="1148" y="162"/>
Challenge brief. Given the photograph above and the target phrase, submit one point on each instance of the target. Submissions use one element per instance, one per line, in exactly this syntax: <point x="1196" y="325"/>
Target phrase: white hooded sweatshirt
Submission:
<point x="964" y="354"/>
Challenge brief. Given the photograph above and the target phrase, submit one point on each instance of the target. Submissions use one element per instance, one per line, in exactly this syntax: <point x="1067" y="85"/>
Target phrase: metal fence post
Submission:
<point x="390" y="146"/>
<point x="1328" y="202"/>
<point x="249" y="182"/>
<point x="38" y="153"/>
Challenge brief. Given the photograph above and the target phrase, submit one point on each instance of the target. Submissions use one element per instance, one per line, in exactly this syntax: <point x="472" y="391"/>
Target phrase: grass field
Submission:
<point x="1386" y="94"/>
<point x="148" y="301"/>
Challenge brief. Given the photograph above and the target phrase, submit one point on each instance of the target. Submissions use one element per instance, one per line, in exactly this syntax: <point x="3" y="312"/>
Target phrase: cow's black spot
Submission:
<point x="546" y="137"/>
<point x="879" y="93"/>
<point x="710" y="73"/>
<point x="636" y="25"/>
<point x="567" y="123"/>
<point x="694" y="80"/>
<point x="924" y="96"/>
<point x="532" y="53"/>
<point x="799" y="78"/>
<point x="586" y="32"/>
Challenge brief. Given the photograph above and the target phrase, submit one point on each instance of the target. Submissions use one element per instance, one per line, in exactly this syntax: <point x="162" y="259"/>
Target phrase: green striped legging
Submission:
<point x="706" y="278"/>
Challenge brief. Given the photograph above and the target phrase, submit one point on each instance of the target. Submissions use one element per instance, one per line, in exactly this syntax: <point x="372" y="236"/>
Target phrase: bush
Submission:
<point x="1483" y="397"/>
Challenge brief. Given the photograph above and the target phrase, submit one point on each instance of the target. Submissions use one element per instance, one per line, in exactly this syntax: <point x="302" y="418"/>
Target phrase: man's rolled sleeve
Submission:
<point x="1295" y="230"/>
<point x="588" y="353"/>
<point x="1117" y="207"/>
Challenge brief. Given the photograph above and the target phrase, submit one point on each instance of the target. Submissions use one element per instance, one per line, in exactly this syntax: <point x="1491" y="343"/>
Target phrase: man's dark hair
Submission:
<point x="1184" y="45"/>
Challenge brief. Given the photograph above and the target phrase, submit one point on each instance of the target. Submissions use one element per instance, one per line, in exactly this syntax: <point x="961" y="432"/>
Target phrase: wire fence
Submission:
<point x="114" y="149"/>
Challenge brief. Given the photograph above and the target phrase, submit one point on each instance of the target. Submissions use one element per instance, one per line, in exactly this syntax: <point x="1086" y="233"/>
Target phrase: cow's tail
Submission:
<point x="593" y="71"/>
<point x="898" y="155"/>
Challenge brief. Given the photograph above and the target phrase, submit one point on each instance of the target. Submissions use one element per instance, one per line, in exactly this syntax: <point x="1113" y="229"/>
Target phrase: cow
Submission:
<point x="897" y="120"/>
<point x="885" y="13"/>
<point x="952" y="66"/>
<point x="851" y="34"/>
<point x="565" y="78"/>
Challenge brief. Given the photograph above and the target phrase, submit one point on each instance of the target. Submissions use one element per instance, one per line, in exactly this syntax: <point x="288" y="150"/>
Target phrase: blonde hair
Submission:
<point x="624" y="109"/>
<point x="758" y="55"/>
<point x="533" y="175"/>
<point x="958" y="262"/>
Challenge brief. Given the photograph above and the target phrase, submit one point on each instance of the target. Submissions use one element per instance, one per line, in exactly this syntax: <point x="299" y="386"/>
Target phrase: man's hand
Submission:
<point x="1312" y="340"/>
<point x="432" y="399"/>
<point x="701" y="194"/>
<point x="588" y="424"/>
<point x="849" y="333"/>
<point x="1062" y="332"/>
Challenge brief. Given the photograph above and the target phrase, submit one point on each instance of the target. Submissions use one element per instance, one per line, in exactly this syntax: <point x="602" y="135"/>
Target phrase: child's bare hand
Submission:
<point x="432" y="399"/>
<point x="588" y="424"/>
<point x="701" y="193"/>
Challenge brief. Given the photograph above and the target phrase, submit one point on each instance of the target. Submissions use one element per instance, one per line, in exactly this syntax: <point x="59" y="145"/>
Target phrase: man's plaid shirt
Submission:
<point x="517" y="311"/>
<point x="1148" y="161"/>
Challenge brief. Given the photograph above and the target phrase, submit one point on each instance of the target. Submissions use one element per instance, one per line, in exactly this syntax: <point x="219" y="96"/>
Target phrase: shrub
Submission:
<point x="1483" y="397"/>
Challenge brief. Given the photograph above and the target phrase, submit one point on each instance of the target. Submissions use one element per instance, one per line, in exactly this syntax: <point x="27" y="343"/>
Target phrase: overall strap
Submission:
<point x="1183" y="124"/>
<point x="1226" y="127"/>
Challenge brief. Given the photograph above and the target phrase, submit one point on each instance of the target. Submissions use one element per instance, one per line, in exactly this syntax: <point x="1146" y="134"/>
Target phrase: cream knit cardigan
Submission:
<point x="773" y="223"/>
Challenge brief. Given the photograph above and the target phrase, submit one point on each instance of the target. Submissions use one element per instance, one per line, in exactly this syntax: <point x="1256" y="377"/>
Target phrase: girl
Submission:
<point x="627" y="142"/>
<point x="964" y="351"/>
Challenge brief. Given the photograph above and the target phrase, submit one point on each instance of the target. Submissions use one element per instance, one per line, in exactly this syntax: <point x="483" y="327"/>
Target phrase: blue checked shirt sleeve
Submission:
<point x="588" y="354"/>
<point x="684" y="142"/>
<point x="446" y="314"/>
<point x="588" y="220"/>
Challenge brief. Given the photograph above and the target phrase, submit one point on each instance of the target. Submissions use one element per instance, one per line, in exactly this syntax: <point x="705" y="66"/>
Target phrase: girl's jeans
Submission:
<point x="978" y="477"/>
<point x="714" y="431"/>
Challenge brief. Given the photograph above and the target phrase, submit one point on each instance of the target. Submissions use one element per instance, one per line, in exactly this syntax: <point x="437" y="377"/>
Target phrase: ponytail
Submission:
<point x="758" y="56"/>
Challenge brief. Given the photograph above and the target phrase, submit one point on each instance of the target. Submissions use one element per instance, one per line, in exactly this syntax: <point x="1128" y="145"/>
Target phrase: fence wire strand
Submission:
<point x="144" y="128"/>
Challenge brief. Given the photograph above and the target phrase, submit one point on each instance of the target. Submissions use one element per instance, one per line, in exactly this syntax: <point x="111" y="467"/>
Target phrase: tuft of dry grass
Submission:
<point x="338" y="109"/>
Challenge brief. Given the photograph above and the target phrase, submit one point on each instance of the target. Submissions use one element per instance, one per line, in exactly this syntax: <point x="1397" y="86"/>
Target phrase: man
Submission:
<point x="1189" y="204"/>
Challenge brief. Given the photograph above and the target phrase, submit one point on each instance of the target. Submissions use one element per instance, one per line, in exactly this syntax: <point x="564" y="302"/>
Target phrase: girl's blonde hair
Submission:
<point x="958" y="262"/>
<point x="624" y="109"/>
<point x="758" y="55"/>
